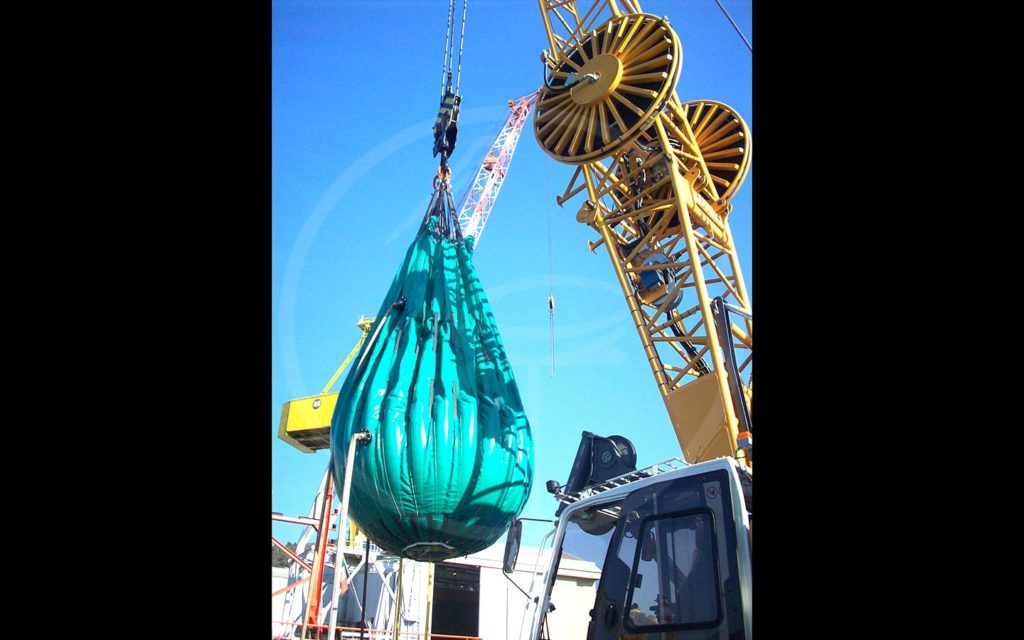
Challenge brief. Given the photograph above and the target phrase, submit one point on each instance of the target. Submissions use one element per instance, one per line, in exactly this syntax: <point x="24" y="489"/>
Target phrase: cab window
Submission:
<point x="675" y="581"/>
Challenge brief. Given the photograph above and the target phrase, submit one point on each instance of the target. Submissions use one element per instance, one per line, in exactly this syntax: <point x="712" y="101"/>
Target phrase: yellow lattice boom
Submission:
<point x="658" y="176"/>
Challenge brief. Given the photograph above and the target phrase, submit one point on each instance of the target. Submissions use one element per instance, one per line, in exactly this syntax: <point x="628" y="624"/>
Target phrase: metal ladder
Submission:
<point x="672" y="464"/>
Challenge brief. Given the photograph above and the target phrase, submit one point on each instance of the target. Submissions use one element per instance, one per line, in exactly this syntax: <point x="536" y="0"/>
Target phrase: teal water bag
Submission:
<point x="449" y="462"/>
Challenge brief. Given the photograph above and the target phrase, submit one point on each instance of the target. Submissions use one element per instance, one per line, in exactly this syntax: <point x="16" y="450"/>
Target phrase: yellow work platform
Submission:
<point x="306" y="422"/>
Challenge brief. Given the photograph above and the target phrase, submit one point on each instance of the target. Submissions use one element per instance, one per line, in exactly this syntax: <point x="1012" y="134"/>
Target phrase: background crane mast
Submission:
<point x="483" y="191"/>
<point x="658" y="175"/>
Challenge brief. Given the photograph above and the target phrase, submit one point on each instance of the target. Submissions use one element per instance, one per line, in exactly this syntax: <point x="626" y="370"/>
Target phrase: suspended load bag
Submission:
<point x="449" y="463"/>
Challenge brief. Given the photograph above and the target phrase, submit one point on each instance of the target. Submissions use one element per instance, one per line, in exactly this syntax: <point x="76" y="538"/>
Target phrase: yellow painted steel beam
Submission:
<point x="658" y="178"/>
<point x="631" y="301"/>
<point x="729" y="424"/>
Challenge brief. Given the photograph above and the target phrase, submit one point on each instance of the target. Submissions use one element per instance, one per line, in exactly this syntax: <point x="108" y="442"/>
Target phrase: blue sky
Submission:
<point x="356" y="86"/>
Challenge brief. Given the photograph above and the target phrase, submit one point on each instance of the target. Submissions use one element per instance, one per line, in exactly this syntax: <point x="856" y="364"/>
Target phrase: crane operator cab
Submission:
<point x="678" y="555"/>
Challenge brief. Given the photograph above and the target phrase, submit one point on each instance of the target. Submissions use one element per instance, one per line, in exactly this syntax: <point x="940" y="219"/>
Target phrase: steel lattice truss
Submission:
<point x="483" y="191"/>
<point x="658" y="176"/>
<point x="566" y="24"/>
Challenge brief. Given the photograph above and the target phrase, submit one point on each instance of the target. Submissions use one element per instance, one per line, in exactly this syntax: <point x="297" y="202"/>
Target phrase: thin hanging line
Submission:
<point x="451" y="45"/>
<point x="550" y="249"/>
<point x="462" y="39"/>
<point x="447" y="39"/>
<point x="551" y="296"/>
<point x="735" y="26"/>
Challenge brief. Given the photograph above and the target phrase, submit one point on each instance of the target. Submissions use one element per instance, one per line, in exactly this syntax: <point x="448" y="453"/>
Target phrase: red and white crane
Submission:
<point x="483" y="191"/>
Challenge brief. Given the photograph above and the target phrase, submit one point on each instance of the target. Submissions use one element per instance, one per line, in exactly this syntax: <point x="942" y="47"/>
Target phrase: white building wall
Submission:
<point x="573" y="599"/>
<point x="503" y="607"/>
<point x="278" y="580"/>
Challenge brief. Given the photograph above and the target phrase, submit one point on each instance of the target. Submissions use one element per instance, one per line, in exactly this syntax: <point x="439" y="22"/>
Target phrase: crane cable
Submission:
<point x="447" y="41"/>
<point x="551" y="294"/>
<point x="735" y="26"/>
<point x="462" y="39"/>
<point x="449" y="54"/>
<point x="446" y="125"/>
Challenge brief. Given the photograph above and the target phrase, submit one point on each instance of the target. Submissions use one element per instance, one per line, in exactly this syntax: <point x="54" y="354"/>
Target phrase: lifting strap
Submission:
<point x="442" y="207"/>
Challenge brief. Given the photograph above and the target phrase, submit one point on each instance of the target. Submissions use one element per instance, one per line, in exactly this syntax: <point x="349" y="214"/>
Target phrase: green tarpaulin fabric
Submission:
<point x="450" y="461"/>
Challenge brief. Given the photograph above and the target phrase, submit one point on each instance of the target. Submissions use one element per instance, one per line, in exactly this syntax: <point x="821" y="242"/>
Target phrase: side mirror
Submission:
<point x="515" y="534"/>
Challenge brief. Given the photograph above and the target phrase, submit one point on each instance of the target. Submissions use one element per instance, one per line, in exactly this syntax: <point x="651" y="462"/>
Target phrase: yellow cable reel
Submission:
<point x="724" y="142"/>
<point x="608" y="88"/>
<point x="720" y="148"/>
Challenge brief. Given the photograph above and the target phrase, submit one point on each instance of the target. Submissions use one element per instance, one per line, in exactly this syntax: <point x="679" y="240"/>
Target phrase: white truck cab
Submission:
<point x="678" y="549"/>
